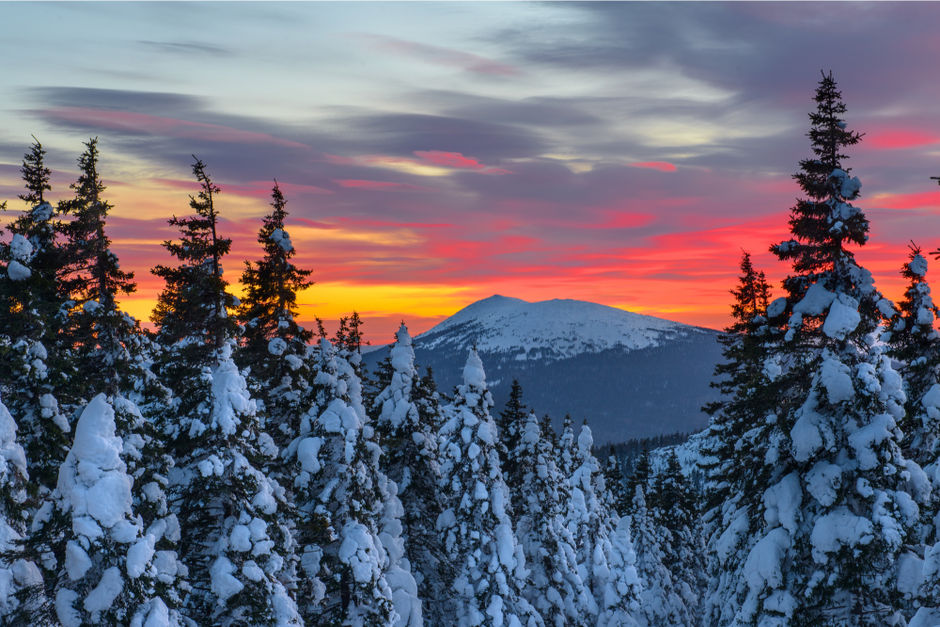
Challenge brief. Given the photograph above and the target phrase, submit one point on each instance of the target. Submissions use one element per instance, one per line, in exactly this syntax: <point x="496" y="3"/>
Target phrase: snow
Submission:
<point x="359" y="552"/>
<point x="874" y="433"/>
<point x="843" y="317"/>
<point x="65" y="608"/>
<point x="139" y="556"/>
<point x="886" y="308"/>
<point x="762" y="566"/>
<point x="230" y="397"/>
<point x="105" y="592"/>
<point x="42" y="212"/>
<point x="836" y="529"/>
<point x="93" y="479"/>
<point x="11" y="453"/>
<point x="925" y="617"/>
<point x="77" y="561"/>
<point x="223" y="583"/>
<point x="782" y="502"/>
<point x="815" y="301"/>
<point x="277" y="346"/>
<point x="17" y="271"/>
<point x="822" y="482"/>
<point x="20" y="248"/>
<point x="777" y="307"/>
<point x="549" y="330"/>
<point x="836" y="379"/>
<point x="473" y="374"/>
<point x="240" y="538"/>
<point x="918" y="265"/>
<point x="848" y="186"/>
<point x="282" y="239"/>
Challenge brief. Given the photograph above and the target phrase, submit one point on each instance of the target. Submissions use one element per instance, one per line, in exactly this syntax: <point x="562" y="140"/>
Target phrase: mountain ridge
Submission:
<point x="628" y="375"/>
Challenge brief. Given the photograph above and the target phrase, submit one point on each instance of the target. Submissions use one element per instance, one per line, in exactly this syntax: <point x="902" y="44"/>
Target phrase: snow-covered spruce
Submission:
<point x="836" y="507"/>
<point x="358" y="553"/>
<point x="408" y="432"/>
<point x="233" y="543"/>
<point x="98" y="334"/>
<point x="733" y="448"/>
<point x="673" y="507"/>
<point x="591" y="525"/>
<point x="273" y="345"/>
<point x="32" y="309"/>
<point x="661" y="605"/>
<point x="914" y="342"/>
<point x="555" y="587"/>
<point x="16" y="573"/>
<point x="98" y="558"/>
<point x="479" y="536"/>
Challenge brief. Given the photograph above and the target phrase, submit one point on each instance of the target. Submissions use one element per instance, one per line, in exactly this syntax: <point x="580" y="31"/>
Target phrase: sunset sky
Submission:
<point x="436" y="153"/>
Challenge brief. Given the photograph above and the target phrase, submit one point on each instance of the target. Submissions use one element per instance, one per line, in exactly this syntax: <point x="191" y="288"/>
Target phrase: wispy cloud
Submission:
<point x="439" y="55"/>
<point x="188" y="48"/>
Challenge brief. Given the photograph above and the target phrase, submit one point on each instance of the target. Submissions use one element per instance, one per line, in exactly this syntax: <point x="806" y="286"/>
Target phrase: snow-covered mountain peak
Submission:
<point x="551" y="329"/>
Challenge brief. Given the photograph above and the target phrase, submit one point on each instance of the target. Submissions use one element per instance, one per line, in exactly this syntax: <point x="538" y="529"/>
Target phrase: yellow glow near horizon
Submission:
<point x="332" y="299"/>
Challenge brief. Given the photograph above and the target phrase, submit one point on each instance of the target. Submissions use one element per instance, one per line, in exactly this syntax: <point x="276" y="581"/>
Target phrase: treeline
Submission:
<point x="234" y="468"/>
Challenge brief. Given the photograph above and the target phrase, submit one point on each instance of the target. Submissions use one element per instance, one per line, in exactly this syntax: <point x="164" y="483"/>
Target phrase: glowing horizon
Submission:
<point x="434" y="154"/>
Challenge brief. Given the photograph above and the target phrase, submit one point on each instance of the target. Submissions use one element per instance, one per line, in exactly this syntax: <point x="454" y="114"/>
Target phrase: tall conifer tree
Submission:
<point x="835" y="508"/>
<point x="233" y="542"/>
<point x="32" y="310"/>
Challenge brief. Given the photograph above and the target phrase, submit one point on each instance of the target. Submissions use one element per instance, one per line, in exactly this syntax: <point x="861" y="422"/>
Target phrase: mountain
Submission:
<point x="627" y="374"/>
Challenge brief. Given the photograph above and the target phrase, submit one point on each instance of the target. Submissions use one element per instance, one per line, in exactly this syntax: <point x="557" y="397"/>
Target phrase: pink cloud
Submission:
<point x="145" y="124"/>
<point x="893" y="139"/>
<point x="457" y="160"/>
<point x="916" y="200"/>
<point x="662" y="166"/>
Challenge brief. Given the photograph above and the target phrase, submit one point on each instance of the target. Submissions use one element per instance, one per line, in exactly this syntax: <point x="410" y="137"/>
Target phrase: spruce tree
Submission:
<point x="510" y="423"/>
<point x="16" y="573"/>
<point x="94" y="280"/>
<point x="408" y="432"/>
<point x="836" y="511"/>
<point x="274" y="346"/>
<point x="234" y="541"/>
<point x="915" y="343"/>
<point x="98" y="555"/>
<point x="674" y="506"/>
<point x="477" y="529"/>
<point x="555" y="587"/>
<point x="737" y="438"/>
<point x="351" y="508"/>
<point x="659" y="600"/>
<point x="32" y="310"/>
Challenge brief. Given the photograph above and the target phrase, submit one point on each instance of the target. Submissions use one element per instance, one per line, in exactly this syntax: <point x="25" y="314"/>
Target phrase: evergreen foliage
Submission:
<point x="99" y="334"/>
<point x="556" y="588"/>
<point x="274" y="345"/>
<point x="32" y="310"/>
<point x="835" y="508"/>
<point x="408" y="432"/>
<point x="478" y="532"/>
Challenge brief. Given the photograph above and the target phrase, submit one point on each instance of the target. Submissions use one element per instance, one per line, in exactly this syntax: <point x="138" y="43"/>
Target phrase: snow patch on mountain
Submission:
<point x="549" y="330"/>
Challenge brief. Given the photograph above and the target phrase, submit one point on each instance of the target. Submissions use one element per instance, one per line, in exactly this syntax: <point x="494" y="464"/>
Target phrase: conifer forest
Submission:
<point x="226" y="466"/>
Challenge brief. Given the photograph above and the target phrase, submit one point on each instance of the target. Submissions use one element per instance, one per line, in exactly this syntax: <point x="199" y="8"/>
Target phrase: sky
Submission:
<point x="435" y="153"/>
